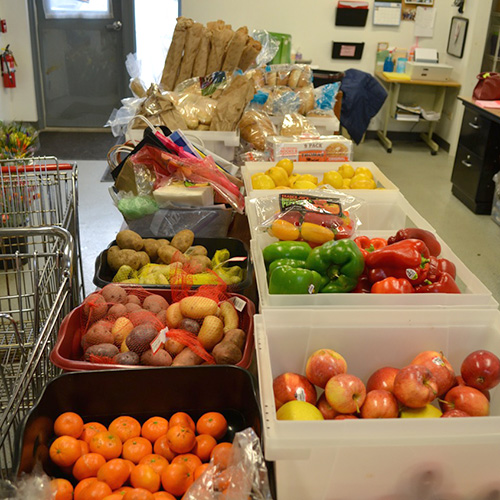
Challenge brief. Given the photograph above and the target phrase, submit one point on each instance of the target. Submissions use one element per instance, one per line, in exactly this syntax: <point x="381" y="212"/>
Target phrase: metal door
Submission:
<point x="82" y="46"/>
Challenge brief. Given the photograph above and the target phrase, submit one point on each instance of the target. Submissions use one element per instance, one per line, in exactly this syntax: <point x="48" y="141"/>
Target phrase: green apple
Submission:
<point x="298" y="410"/>
<point x="428" y="411"/>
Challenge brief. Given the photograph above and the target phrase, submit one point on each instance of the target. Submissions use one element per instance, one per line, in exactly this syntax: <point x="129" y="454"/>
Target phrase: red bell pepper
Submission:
<point x="403" y="259"/>
<point x="367" y="245"/>
<point x="440" y="265"/>
<point x="393" y="285"/>
<point x="444" y="284"/>
<point x="419" y="234"/>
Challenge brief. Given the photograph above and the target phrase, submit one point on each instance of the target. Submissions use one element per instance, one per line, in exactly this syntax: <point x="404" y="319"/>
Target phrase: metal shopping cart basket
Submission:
<point x="36" y="268"/>
<point x="41" y="191"/>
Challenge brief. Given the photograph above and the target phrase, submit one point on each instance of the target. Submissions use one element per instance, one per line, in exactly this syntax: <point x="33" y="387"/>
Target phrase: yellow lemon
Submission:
<point x="298" y="410"/>
<point x="300" y="184"/>
<point x="293" y="178"/>
<point x="362" y="182"/>
<point x="287" y="164"/>
<point x="427" y="411"/>
<point x="309" y="177"/>
<point x="263" y="182"/>
<point x="346" y="171"/>
<point x="346" y="184"/>
<point x="333" y="178"/>
<point x="365" y="171"/>
<point x="279" y="176"/>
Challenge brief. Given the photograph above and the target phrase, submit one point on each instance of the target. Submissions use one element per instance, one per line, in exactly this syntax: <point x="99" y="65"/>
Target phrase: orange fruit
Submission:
<point x="200" y="470"/>
<point x="136" y="448"/>
<point x="144" y="476"/>
<point x="91" y="428"/>
<point x="181" y="439"/>
<point x="62" y="489"/>
<point x="84" y="446"/>
<point x="107" y="444"/>
<point x="114" y="496"/>
<point x="68" y="424"/>
<point x="125" y="427"/>
<point x="96" y="490"/>
<point x="154" y="427"/>
<point x="192" y="461"/>
<point x="114" y="473"/>
<point x="82" y="484"/>
<point x="157" y="462"/>
<point x="176" y="479"/>
<point x="212" y="423"/>
<point x="65" y="451"/>
<point x="123" y="490"/>
<point x="88" y="465"/>
<point x="163" y="495"/>
<point x="138" y="494"/>
<point x="221" y="454"/>
<point x="181" y="418"/>
<point x="162" y="448"/>
<point x="204" y="446"/>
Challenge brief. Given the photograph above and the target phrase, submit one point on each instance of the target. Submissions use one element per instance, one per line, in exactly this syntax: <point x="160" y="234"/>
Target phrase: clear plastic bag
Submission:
<point x="295" y="124"/>
<point x="270" y="46"/>
<point x="246" y="476"/>
<point x="120" y="119"/>
<point x="33" y="486"/>
<point x="254" y="127"/>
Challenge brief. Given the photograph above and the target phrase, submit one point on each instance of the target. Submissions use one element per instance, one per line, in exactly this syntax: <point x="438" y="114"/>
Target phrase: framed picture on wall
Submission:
<point x="456" y="38"/>
<point x="425" y="3"/>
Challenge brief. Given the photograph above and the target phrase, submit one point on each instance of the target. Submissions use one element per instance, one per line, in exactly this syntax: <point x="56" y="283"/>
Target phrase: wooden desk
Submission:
<point x="394" y="87"/>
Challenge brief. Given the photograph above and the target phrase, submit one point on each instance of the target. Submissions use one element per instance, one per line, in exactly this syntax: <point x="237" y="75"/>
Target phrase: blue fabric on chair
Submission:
<point x="363" y="96"/>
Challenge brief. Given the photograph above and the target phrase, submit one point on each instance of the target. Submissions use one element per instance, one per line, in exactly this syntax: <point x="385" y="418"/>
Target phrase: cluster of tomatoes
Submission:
<point x="158" y="460"/>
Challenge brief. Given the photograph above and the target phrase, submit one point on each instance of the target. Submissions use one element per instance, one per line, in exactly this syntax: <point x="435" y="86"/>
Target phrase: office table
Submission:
<point x="429" y="87"/>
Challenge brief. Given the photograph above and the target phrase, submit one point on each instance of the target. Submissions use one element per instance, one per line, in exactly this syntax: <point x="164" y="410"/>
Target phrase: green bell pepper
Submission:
<point x="290" y="280"/>
<point x="341" y="261"/>
<point x="298" y="250"/>
<point x="286" y="262"/>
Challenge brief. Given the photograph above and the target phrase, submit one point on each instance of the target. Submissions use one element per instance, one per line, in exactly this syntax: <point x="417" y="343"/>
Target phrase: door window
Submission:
<point x="72" y="9"/>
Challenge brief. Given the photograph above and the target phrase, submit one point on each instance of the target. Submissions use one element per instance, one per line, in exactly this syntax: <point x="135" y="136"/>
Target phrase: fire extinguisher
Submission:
<point x="8" y="64"/>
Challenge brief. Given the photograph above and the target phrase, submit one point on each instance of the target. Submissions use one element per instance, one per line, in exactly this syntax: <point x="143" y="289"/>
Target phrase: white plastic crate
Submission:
<point x="474" y="292"/>
<point x="318" y="169"/>
<point x="396" y="459"/>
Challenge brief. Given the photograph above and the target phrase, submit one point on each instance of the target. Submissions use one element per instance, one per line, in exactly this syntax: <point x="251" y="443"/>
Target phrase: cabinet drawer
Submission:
<point x="467" y="171"/>
<point x="475" y="131"/>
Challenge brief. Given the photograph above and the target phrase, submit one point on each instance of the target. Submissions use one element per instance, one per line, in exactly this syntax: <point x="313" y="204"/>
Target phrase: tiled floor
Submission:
<point x="423" y="179"/>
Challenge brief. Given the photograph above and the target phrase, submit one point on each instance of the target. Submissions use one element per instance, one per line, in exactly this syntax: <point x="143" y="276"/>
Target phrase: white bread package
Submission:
<point x="321" y="148"/>
<point x="193" y="196"/>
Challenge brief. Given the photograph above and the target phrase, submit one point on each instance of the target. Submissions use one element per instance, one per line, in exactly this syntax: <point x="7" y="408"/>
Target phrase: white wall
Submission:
<point x="18" y="104"/>
<point x="312" y="26"/>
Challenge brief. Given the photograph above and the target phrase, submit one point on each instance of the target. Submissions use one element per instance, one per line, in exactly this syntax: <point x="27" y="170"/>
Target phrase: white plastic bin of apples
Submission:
<point x="378" y="459"/>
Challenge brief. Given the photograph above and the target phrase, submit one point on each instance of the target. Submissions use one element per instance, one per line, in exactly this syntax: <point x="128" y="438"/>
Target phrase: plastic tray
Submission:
<point x="318" y="169"/>
<point x="103" y="395"/>
<point x="67" y="352"/>
<point x="474" y="293"/>
<point x="378" y="459"/>
<point x="104" y="274"/>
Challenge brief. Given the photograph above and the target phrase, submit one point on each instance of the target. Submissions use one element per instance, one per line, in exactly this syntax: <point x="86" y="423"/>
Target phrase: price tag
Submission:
<point x="239" y="304"/>
<point x="157" y="343"/>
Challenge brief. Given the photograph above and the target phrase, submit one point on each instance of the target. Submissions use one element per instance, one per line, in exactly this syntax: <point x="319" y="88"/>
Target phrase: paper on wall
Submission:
<point x="424" y="22"/>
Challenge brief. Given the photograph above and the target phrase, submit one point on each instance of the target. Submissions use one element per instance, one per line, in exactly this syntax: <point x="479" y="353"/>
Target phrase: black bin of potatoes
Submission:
<point x="237" y="248"/>
<point x="141" y="393"/>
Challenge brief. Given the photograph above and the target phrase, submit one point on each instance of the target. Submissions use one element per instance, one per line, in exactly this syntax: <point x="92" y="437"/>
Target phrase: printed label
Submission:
<point x="239" y="304"/>
<point x="300" y="394"/>
<point x="438" y="361"/>
<point x="310" y="203"/>
<point x="411" y="274"/>
<point x="311" y="289"/>
<point x="157" y="343"/>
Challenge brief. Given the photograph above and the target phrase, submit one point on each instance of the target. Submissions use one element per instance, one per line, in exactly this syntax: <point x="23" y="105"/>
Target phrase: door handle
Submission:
<point x="116" y="26"/>
<point x="468" y="164"/>
<point x="473" y="125"/>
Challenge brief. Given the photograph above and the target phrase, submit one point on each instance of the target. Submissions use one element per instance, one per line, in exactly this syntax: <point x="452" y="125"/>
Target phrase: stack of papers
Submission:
<point x="488" y="104"/>
<point x="408" y="113"/>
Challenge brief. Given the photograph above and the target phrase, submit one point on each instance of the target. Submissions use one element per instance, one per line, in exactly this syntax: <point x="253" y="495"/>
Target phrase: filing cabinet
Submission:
<point x="478" y="158"/>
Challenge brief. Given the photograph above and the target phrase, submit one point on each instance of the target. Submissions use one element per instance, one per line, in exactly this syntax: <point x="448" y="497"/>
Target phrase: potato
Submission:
<point x="165" y="253"/>
<point x="98" y="333"/>
<point x="162" y="316"/>
<point x="227" y="353"/>
<point x="121" y="330"/>
<point x="196" y="307"/>
<point x="126" y="358"/>
<point x="174" y="315"/>
<point x="236" y="336"/>
<point x="180" y="257"/>
<point x="196" y="250"/>
<point x="129" y="239"/>
<point x="187" y="358"/>
<point x="132" y="306"/>
<point x="229" y="315"/>
<point x="114" y="294"/>
<point x="163" y="241"/>
<point x="211" y="332"/>
<point x="173" y="347"/>
<point x="94" y="307"/>
<point x="133" y="299"/>
<point x="160" y="358"/>
<point x="198" y="264"/>
<point x="143" y="317"/>
<point x="139" y="339"/>
<point x="154" y="303"/>
<point x="126" y="257"/>
<point x="143" y="259"/>
<point x="151" y="248"/>
<point x="116" y="310"/>
<point x="183" y="240"/>
<point x="100" y="351"/>
<point x="190" y="325"/>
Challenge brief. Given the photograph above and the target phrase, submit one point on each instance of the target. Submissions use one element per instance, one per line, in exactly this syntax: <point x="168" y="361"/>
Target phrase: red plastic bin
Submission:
<point x="67" y="352"/>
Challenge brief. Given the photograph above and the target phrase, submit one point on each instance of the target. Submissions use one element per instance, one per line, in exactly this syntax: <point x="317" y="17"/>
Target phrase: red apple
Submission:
<point x="345" y="393"/>
<point x="289" y="386"/>
<point x="324" y="364"/>
<point x="346" y="417"/>
<point x="439" y="366"/>
<point x="460" y="381"/>
<point x="467" y="399"/>
<point x="415" y="386"/>
<point x="326" y="410"/>
<point x="380" y="404"/>
<point x="481" y="370"/>
<point x="383" y="378"/>
<point x="454" y="413"/>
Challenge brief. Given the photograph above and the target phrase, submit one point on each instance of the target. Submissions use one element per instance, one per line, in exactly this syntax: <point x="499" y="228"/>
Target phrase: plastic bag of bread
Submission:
<point x="254" y="127"/>
<point x="197" y="110"/>
<point x="306" y="98"/>
<point x="282" y="100"/>
<point x="296" y="124"/>
<point x="294" y="76"/>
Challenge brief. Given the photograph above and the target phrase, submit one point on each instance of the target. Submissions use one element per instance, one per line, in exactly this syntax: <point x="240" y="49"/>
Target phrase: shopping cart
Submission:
<point x="36" y="269"/>
<point x="41" y="191"/>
